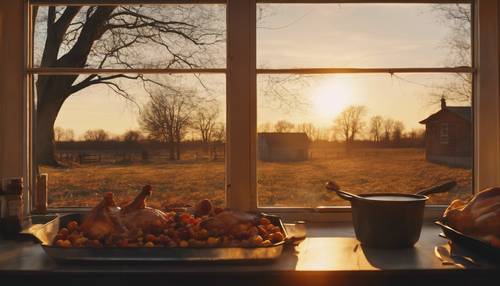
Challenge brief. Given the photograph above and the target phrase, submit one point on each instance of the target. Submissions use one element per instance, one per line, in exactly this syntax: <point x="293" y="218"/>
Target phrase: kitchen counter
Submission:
<point x="330" y="255"/>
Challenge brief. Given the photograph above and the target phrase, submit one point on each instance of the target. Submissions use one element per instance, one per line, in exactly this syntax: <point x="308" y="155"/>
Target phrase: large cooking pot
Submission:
<point x="388" y="220"/>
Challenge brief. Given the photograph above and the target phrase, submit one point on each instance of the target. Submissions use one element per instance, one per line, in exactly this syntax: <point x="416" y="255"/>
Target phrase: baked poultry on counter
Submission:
<point x="479" y="217"/>
<point x="136" y="225"/>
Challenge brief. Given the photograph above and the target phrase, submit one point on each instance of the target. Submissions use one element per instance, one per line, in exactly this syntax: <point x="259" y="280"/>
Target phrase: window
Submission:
<point x="130" y="95"/>
<point x="345" y="92"/>
<point x="246" y="92"/>
<point x="443" y="133"/>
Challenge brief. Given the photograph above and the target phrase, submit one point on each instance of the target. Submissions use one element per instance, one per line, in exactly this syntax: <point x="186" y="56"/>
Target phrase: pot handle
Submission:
<point x="344" y="195"/>
<point x="332" y="186"/>
<point x="440" y="188"/>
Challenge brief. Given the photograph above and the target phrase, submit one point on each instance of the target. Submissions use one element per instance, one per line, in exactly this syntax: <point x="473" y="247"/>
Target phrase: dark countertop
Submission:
<point x="329" y="254"/>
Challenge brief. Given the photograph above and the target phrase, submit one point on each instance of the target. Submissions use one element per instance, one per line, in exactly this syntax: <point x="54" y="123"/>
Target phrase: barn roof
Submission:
<point x="464" y="112"/>
<point x="285" y="139"/>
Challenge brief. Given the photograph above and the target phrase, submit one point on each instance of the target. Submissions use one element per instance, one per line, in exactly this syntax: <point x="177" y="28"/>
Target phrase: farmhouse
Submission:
<point x="275" y="146"/>
<point x="448" y="136"/>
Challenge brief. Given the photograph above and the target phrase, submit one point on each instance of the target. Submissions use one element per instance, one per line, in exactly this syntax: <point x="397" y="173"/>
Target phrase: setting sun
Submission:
<point x="331" y="97"/>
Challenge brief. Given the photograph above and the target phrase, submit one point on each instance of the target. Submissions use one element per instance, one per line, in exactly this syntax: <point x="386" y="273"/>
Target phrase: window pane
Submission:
<point x="363" y="35"/>
<point x="130" y="131"/>
<point x="139" y="36"/>
<point x="365" y="132"/>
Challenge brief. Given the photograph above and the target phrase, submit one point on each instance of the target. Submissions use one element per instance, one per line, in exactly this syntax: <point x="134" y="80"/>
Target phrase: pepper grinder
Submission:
<point x="12" y="217"/>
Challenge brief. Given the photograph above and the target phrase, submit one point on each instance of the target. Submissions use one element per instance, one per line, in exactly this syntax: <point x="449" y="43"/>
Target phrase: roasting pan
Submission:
<point x="480" y="247"/>
<point x="45" y="234"/>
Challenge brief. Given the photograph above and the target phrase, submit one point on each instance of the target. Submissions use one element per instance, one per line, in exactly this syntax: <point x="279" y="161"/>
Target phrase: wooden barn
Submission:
<point x="279" y="147"/>
<point x="448" y="136"/>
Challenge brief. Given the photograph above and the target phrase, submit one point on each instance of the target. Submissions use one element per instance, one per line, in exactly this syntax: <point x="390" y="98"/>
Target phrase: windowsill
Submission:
<point x="319" y="215"/>
<point x="330" y="252"/>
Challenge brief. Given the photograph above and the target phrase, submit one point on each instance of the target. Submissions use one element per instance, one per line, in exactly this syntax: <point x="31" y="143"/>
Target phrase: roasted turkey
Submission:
<point x="106" y="219"/>
<point x="227" y="220"/>
<point x="479" y="217"/>
<point x="103" y="220"/>
<point x="137" y="216"/>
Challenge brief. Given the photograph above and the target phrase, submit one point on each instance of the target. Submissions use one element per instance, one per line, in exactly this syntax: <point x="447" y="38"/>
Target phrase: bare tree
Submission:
<point x="283" y="126"/>
<point x="220" y="133"/>
<point x="311" y="131"/>
<point x="58" y="134"/>
<point x="69" y="134"/>
<point x="349" y="123"/>
<point x="219" y="137"/>
<point x="417" y="136"/>
<point x="265" y="127"/>
<point x="376" y="123"/>
<point x="97" y="135"/>
<point x="205" y="123"/>
<point x="397" y="132"/>
<point x="459" y="18"/>
<point x="61" y="134"/>
<point x="118" y="37"/>
<point x="388" y="128"/>
<point x="324" y="134"/>
<point x="132" y="136"/>
<point x="167" y="116"/>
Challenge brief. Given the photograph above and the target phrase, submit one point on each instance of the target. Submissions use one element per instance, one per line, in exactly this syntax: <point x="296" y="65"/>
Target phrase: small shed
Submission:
<point x="280" y="147"/>
<point x="448" y="136"/>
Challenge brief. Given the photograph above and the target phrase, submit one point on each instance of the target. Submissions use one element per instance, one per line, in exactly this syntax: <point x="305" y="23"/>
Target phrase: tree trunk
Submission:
<point x="171" y="150"/>
<point x="178" y="150"/>
<point x="45" y="117"/>
<point x="206" y="146"/>
<point x="214" y="151"/>
<point x="178" y="144"/>
<point x="52" y="91"/>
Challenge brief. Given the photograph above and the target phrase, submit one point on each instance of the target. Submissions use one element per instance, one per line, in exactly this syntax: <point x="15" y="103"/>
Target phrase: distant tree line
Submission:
<point x="133" y="138"/>
<point x="351" y="128"/>
<point x="169" y="116"/>
<point x="313" y="132"/>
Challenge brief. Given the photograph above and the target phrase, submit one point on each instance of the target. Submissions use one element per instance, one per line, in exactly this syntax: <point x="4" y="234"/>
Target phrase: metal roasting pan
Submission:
<point x="45" y="234"/>
<point x="477" y="246"/>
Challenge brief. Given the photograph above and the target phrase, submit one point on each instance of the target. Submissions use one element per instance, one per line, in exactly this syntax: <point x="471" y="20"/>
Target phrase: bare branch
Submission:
<point x="458" y="18"/>
<point x="285" y="92"/>
<point x="91" y="31"/>
<point x="56" y="31"/>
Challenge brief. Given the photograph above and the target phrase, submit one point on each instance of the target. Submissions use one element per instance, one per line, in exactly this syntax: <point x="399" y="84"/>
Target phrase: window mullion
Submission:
<point x="13" y="106"/>
<point x="120" y="2"/>
<point x="349" y="70"/>
<point x="78" y="71"/>
<point x="486" y="103"/>
<point x="241" y="104"/>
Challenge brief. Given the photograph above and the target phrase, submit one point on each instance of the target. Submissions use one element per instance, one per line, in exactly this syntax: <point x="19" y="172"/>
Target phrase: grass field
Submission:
<point x="279" y="184"/>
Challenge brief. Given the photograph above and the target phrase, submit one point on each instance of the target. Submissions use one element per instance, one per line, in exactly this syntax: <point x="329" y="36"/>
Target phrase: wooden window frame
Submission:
<point x="241" y="74"/>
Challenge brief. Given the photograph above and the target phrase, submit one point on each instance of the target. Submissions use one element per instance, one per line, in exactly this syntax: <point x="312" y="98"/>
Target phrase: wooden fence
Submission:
<point x="130" y="156"/>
